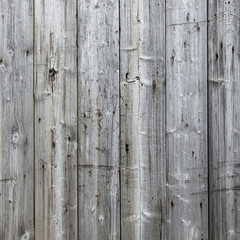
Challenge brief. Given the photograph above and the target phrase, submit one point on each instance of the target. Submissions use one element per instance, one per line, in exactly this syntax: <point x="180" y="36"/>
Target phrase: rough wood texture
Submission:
<point x="56" y="119"/>
<point x="16" y="120"/>
<point x="143" y="179"/>
<point x="119" y="119"/>
<point x="224" y="115"/>
<point x="186" y="83"/>
<point x="98" y="117"/>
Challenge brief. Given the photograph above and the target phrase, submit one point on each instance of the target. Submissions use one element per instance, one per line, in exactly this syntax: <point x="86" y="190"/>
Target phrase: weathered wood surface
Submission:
<point x="55" y="89"/>
<point x="224" y="124"/>
<point x="119" y="119"/>
<point x="16" y="120"/>
<point x="186" y="121"/>
<point x="143" y="179"/>
<point x="98" y="118"/>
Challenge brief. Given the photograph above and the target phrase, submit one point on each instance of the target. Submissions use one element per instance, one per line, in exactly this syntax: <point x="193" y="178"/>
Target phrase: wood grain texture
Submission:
<point x="143" y="178"/>
<point x="16" y="120"/>
<point x="186" y="83"/>
<point x="119" y="119"/>
<point x="98" y="118"/>
<point x="55" y="119"/>
<point x="224" y="115"/>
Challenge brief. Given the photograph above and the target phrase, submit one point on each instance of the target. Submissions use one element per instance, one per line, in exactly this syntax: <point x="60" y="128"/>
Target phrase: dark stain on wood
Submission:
<point x="52" y="73"/>
<point x="154" y="84"/>
<point x="126" y="148"/>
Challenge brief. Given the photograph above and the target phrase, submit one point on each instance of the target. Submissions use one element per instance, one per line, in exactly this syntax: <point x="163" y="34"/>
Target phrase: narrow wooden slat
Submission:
<point x="224" y="119"/>
<point x="98" y="118"/>
<point x="56" y="119"/>
<point x="143" y="162"/>
<point x="186" y="83"/>
<point x="16" y="120"/>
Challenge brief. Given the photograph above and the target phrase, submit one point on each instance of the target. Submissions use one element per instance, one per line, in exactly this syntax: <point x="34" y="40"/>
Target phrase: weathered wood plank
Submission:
<point x="56" y="119"/>
<point x="224" y="115"/>
<point x="16" y="121"/>
<point x="143" y="162"/>
<point x="186" y="83"/>
<point x="98" y="118"/>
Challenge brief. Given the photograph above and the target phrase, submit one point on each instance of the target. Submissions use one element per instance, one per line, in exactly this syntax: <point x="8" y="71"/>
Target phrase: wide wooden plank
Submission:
<point x="143" y="162"/>
<point x="186" y="83"/>
<point x="224" y="119"/>
<point x="16" y="120"/>
<point x="98" y="118"/>
<point x="55" y="59"/>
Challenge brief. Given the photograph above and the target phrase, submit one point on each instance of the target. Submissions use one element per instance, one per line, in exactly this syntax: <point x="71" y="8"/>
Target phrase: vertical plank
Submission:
<point x="143" y="162"/>
<point x="98" y="95"/>
<point x="16" y="158"/>
<point x="186" y="76"/>
<point x="224" y="115"/>
<point x="56" y="119"/>
<point x="16" y="120"/>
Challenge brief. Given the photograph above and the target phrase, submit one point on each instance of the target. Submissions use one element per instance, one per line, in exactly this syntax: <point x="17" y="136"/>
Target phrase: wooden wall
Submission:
<point x="120" y="119"/>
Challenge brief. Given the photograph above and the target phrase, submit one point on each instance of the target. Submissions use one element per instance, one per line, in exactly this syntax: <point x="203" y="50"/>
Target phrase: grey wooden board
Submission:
<point x="119" y="119"/>
<point x="55" y="62"/>
<point x="142" y="74"/>
<point x="186" y="121"/>
<point x="16" y="120"/>
<point x="98" y="119"/>
<point x="224" y="98"/>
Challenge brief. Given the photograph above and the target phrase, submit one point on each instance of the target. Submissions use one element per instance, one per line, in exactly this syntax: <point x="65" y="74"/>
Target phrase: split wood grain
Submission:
<point x="16" y="120"/>
<point x="98" y="119"/>
<point x="143" y="161"/>
<point x="186" y="104"/>
<point x="224" y="115"/>
<point x="55" y="83"/>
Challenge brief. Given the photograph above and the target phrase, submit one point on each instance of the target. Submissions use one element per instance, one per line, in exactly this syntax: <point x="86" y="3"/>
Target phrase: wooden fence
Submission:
<point x="120" y="119"/>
